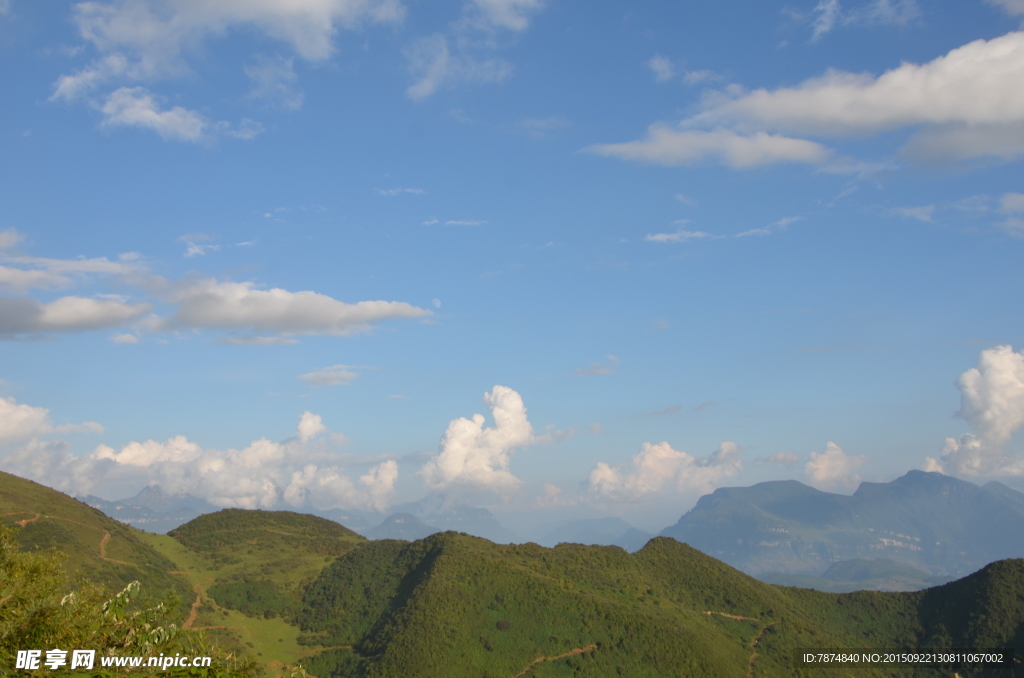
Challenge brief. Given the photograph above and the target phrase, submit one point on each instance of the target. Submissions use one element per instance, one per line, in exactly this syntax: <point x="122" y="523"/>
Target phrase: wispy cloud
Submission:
<point x="609" y="367"/>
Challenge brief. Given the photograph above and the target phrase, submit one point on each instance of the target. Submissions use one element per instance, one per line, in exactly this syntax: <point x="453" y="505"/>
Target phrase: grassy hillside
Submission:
<point x="98" y="548"/>
<point x="454" y="605"/>
<point x="247" y="570"/>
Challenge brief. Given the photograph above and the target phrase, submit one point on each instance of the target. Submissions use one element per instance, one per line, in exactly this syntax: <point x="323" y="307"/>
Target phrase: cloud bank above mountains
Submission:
<point x="308" y="471"/>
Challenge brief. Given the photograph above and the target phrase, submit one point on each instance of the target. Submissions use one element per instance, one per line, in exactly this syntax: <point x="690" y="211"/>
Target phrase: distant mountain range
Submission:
<point x="599" y="532"/>
<point x="152" y="509"/>
<point x="928" y="521"/>
<point x="860" y="574"/>
<point x="416" y="520"/>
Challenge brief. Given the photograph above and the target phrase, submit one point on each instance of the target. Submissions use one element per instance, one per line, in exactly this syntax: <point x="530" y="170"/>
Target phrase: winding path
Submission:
<point x="570" y="653"/>
<point x="756" y="639"/>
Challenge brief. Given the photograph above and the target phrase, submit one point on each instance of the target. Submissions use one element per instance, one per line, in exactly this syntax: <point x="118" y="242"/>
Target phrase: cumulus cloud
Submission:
<point x="475" y="457"/>
<point x="22" y="316"/>
<point x="659" y="469"/>
<point x="992" y="404"/>
<point x="433" y="66"/>
<point x="964" y="104"/>
<point x="299" y="472"/>
<point x="667" y="146"/>
<point x="137" y="107"/>
<point x="335" y="375"/>
<point x="20" y="422"/>
<point x="833" y="469"/>
<point x="208" y="304"/>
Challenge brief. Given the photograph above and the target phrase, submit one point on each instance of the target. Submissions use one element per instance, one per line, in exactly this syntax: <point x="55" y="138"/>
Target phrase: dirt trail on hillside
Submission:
<point x="102" y="550"/>
<point x="23" y="523"/>
<point x="570" y="653"/>
<point x="194" y="611"/>
<point x="753" y="643"/>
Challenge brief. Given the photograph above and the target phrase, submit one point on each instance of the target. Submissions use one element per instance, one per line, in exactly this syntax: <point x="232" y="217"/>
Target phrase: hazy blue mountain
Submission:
<point x="1007" y="493"/>
<point x="152" y="509"/>
<point x="860" y="574"/>
<point x="598" y="531"/>
<point x="400" y="526"/>
<point x="434" y="512"/>
<point x="353" y="519"/>
<point x="929" y="521"/>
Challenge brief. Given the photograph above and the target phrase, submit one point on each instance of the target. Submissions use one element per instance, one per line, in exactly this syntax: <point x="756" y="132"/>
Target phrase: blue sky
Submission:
<point x="694" y="244"/>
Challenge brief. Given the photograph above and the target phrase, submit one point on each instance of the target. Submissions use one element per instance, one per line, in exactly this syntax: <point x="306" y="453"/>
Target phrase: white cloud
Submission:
<point x="923" y="213"/>
<point x="274" y="81"/>
<point x="465" y="222"/>
<point x="600" y="368"/>
<point x="392" y="192"/>
<point x="20" y="280"/>
<point x="1012" y="205"/>
<point x="833" y="469"/>
<point x="310" y="426"/>
<point x="476" y="458"/>
<point x="678" y="236"/>
<point x="208" y="304"/>
<point x="510" y="14"/>
<point x="19" y="316"/>
<point x="992" y="404"/>
<point x="967" y="95"/>
<point x="785" y="458"/>
<point x="329" y="376"/>
<point x="125" y="338"/>
<point x="298" y="472"/>
<point x="659" y="469"/>
<point x="433" y="66"/>
<point x="697" y="77"/>
<point x="158" y="33"/>
<point x="192" y="249"/>
<point x="964" y="104"/>
<point x="9" y="238"/>
<point x="30" y="272"/>
<point x="827" y="14"/>
<point x="662" y="68"/>
<point x="667" y="146"/>
<point x="20" y="422"/>
<point x="137" y="107"/>
<point x="1011" y="7"/>
<point x="552" y="497"/>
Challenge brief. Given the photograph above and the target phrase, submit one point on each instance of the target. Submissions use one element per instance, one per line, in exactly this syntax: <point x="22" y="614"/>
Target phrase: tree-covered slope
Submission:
<point x="98" y="548"/>
<point x="454" y="605"/>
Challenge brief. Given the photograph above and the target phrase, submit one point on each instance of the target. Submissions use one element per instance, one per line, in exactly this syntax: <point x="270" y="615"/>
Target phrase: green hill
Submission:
<point x="98" y="548"/>
<point x="248" y="570"/>
<point x="454" y="605"/>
